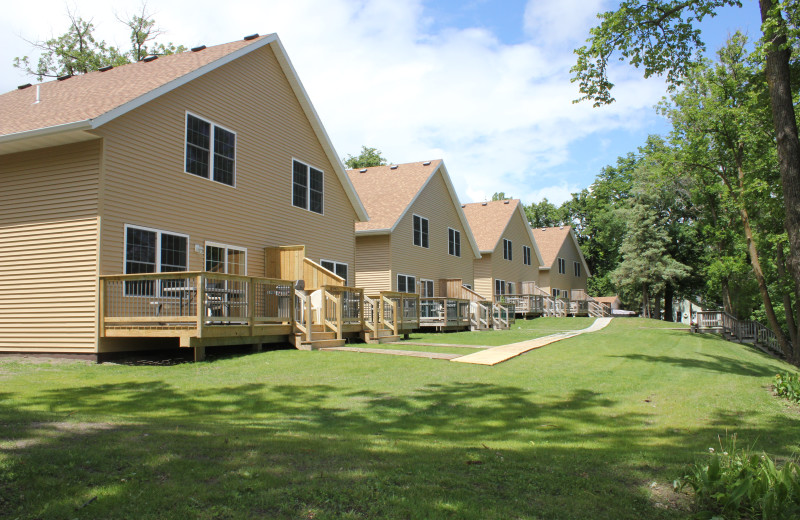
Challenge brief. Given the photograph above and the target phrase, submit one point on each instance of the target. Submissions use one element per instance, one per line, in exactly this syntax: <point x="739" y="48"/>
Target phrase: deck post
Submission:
<point x="361" y="308"/>
<point x="394" y="316"/>
<point x="251" y="306"/>
<point x="379" y="321"/>
<point x="309" y="320"/>
<point x="339" y="312"/>
<point x="199" y="353"/>
<point x="201" y="306"/>
<point x="323" y="311"/>
<point x="101" y="314"/>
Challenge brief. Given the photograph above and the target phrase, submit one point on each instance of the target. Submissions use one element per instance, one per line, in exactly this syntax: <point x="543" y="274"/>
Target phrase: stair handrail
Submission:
<point x="303" y="319"/>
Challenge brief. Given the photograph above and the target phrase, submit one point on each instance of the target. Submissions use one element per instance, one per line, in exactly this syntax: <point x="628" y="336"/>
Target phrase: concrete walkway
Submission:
<point x="495" y="355"/>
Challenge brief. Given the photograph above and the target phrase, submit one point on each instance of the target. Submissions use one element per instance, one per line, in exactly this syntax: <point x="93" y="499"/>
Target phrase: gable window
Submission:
<point x="507" y="249"/>
<point x="577" y="269"/>
<point x="426" y="288"/>
<point x="420" y="231"/>
<point x="406" y="284"/>
<point x="307" y="183"/>
<point x="562" y="266"/>
<point x="499" y="287"/>
<point x="526" y="255"/>
<point x="210" y="150"/>
<point x="338" y="268"/>
<point x="454" y="242"/>
<point x="154" y="251"/>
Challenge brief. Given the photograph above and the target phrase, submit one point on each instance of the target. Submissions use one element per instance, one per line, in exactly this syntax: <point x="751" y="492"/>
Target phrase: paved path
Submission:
<point x="412" y="353"/>
<point x="495" y="355"/>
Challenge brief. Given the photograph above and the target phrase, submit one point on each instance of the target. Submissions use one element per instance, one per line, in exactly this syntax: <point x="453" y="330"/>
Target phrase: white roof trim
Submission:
<point x="86" y="124"/>
<point x="319" y="130"/>
<point x="178" y="82"/>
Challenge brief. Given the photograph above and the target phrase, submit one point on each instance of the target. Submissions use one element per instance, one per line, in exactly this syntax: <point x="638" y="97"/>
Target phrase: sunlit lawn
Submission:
<point x="592" y="427"/>
<point x="521" y="330"/>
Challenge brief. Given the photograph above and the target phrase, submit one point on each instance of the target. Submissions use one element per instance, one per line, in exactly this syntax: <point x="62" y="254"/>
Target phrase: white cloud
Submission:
<point x="383" y="74"/>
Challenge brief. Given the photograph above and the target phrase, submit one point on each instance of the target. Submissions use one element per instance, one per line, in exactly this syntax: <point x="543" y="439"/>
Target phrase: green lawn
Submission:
<point x="428" y="348"/>
<point x="521" y="330"/>
<point x="592" y="427"/>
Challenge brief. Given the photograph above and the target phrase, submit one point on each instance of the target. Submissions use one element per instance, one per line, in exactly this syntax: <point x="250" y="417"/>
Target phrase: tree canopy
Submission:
<point x="367" y="158"/>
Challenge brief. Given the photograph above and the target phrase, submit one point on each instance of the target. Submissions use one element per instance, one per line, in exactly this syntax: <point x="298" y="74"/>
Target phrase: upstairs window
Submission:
<point x="406" y="284"/>
<point x="454" y="242"/>
<point x="562" y="266"/>
<point x="507" y="249"/>
<point x="307" y="187"/>
<point x="526" y="255"/>
<point x="420" y="231"/>
<point x="577" y="269"/>
<point x="210" y="151"/>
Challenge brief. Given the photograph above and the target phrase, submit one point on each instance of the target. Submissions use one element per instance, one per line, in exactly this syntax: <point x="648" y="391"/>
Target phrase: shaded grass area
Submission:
<point x="430" y="348"/>
<point x="521" y="330"/>
<point x="589" y="427"/>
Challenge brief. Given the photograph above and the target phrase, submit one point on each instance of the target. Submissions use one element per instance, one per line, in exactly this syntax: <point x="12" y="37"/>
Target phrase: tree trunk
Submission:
<point x="657" y="307"/>
<point x="645" y="302"/>
<point x="783" y="119"/>
<point x="726" y="296"/>
<point x="669" y="295"/>
<point x="787" y="299"/>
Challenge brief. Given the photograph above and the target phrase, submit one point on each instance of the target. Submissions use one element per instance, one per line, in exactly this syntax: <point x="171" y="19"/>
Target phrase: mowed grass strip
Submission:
<point x="596" y="426"/>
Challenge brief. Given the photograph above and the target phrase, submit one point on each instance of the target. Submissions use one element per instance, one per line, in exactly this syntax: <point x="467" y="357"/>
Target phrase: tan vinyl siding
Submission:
<point x="373" y="273"/>
<point x="145" y="183"/>
<point x="433" y="263"/>
<point x="484" y="283"/>
<point x="567" y="281"/>
<point x="515" y="270"/>
<point x="48" y="249"/>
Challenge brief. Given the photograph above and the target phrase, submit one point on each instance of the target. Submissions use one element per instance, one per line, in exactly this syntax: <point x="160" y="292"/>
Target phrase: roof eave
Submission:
<point x="367" y="232"/>
<point x="66" y="133"/>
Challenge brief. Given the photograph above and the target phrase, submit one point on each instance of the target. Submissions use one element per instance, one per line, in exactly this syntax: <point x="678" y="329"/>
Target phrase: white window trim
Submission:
<point x="560" y="260"/>
<point x="211" y="151"/>
<point x="158" y="233"/>
<point x="407" y="276"/>
<point x="510" y="288"/>
<point x="455" y="233"/>
<point x="526" y="255"/>
<point x="226" y="247"/>
<point x="308" y="186"/>
<point x="503" y="290"/>
<point x="335" y="263"/>
<point x="420" y="231"/>
<point x="577" y="269"/>
<point x="508" y="253"/>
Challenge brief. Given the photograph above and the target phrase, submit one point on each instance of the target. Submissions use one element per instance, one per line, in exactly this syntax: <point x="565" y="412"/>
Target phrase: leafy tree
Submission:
<point x="500" y="196"/>
<point x="367" y="158"/>
<point x="77" y="51"/>
<point x="545" y="214"/>
<point x="661" y="36"/>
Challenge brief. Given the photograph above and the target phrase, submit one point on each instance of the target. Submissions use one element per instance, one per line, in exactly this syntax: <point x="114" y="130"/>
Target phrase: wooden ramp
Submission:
<point x="495" y="355"/>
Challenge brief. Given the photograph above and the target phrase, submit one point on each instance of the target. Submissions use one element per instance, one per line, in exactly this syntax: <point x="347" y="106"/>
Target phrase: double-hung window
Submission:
<point x="454" y="242"/>
<point x="406" y="284"/>
<point x="307" y="187"/>
<point x="499" y="287"/>
<point x="338" y="268"/>
<point x="562" y="266"/>
<point x="526" y="255"/>
<point x="154" y="251"/>
<point x="507" y="249"/>
<point x="577" y="269"/>
<point x="420" y="231"/>
<point x="210" y="150"/>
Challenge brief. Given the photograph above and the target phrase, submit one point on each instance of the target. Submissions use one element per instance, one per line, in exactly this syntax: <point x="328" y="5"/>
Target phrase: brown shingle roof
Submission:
<point x="91" y="95"/>
<point x="386" y="193"/>
<point x="488" y="220"/>
<point x="550" y="241"/>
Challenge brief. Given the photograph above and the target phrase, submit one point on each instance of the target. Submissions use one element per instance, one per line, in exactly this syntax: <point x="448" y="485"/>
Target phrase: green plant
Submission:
<point x="738" y="483"/>
<point x="788" y="385"/>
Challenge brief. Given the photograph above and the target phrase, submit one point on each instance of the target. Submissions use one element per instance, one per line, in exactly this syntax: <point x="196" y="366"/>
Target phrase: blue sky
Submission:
<point x="482" y="84"/>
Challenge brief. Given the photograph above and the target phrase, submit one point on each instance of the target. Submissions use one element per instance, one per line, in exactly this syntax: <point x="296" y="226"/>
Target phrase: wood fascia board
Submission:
<point x="316" y="123"/>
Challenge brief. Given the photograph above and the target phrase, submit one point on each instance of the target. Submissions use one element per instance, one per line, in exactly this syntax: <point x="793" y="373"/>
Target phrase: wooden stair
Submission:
<point x="382" y="336"/>
<point x="319" y="339"/>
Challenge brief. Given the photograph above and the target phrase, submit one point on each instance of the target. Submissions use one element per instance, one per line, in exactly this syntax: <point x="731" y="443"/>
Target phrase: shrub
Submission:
<point x="737" y="483"/>
<point x="788" y="386"/>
